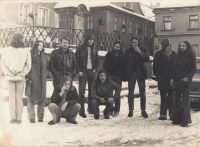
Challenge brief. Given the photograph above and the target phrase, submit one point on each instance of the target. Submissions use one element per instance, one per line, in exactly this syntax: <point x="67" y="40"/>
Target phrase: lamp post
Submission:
<point x="100" y="23"/>
<point x="122" y="27"/>
<point x="31" y="15"/>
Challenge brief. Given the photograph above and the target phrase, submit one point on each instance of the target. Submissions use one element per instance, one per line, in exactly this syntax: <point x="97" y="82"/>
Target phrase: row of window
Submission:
<point x="193" y="22"/>
<point x="130" y="26"/>
<point x="26" y="9"/>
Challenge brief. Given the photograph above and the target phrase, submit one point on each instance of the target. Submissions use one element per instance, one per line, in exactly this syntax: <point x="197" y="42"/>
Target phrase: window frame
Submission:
<point x="39" y="16"/>
<point x="123" y="30"/>
<point x="115" y="28"/>
<point x="130" y="27"/>
<point x="91" y="22"/>
<point x="196" y="20"/>
<point x="28" y="18"/>
<point x="197" y="45"/>
<point x="136" y="28"/>
<point x="167" y="21"/>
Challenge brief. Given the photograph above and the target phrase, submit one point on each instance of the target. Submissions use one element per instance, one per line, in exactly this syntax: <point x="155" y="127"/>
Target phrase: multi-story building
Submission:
<point x="17" y="14"/>
<point x="118" y="18"/>
<point x="178" y="24"/>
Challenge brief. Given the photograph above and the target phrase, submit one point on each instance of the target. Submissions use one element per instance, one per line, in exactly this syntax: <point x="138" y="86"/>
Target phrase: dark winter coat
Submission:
<point x="72" y="96"/>
<point x="62" y="63"/>
<point x="82" y="57"/>
<point x="38" y="76"/>
<point x="135" y="62"/>
<point x="163" y="69"/>
<point x="185" y="65"/>
<point x="114" y="65"/>
<point x="105" y="91"/>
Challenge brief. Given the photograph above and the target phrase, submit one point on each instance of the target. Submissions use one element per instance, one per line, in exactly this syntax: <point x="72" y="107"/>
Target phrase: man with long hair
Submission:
<point x="185" y="69"/>
<point x="87" y="66"/>
<point x="114" y="64"/>
<point x="163" y="67"/>
<point x="102" y="94"/>
<point x="136" y="71"/>
<point x="62" y="62"/>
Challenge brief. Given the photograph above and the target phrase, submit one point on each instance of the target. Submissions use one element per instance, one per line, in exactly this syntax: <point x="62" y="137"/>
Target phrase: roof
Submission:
<point x="190" y="3"/>
<point x="147" y="11"/>
<point x="100" y="4"/>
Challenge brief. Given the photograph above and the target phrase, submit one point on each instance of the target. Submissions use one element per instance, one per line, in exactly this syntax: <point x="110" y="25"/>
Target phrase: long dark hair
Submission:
<point x="36" y="44"/>
<point x="65" y="79"/>
<point x="189" y="50"/>
<point x="88" y="37"/>
<point x="98" y="81"/>
<point x="16" y="40"/>
<point x="118" y="42"/>
<point x="136" y="38"/>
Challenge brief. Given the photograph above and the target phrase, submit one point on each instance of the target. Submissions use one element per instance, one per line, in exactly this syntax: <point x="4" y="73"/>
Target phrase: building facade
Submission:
<point x="178" y="24"/>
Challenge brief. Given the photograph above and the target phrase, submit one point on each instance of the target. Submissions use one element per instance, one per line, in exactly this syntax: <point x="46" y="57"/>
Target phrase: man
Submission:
<point x="64" y="102"/>
<point x="163" y="67"/>
<point x="102" y="94"/>
<point x="114" y="66"/>
<point x="62" y="62"/>
<point x="136" y="70"/>
<point x="87" y="66"/>
<point x="185" y="69"/>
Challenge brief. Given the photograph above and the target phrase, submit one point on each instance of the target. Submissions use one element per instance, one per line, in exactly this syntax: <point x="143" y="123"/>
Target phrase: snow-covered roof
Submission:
<point x="179" y="4"/>
<point x="147" y="11"/>
<point x="97" y="4"/>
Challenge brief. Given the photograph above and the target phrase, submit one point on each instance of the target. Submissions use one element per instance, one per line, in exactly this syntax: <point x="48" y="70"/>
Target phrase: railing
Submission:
<point x="51" y="36"/>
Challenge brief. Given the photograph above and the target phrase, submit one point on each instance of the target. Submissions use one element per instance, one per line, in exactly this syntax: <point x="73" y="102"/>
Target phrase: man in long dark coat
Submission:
<point x="163" y="67"/>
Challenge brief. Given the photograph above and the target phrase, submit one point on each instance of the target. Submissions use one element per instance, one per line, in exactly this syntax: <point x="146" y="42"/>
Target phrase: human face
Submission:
<point x="117" y="47"/>
<point x="134" y="43"/>
<point x="64" y="44"/>
<point x="40" y="46"/>
<point x="90" y="42"/>
<point x="102" y="77"/>
<point x="67" y="85"/>
<point x="182" y="46"/>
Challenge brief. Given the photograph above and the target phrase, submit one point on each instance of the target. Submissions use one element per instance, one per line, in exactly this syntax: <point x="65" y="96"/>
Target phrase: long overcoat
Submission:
<point x="38" y="75"/>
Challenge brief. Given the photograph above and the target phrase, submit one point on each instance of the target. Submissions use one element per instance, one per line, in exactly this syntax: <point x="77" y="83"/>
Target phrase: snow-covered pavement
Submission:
<point x="118" y="131"/>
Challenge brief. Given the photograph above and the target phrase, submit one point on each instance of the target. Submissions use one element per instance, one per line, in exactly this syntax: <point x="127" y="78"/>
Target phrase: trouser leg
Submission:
<point x="31" y="109"/>
<point x="131" y="88"/>
<point x="55" y="111"/>
<point x="170" y="101"/>
<point x="163" y="105"/>
<point x="109" y="106"/>
<point x="12" y="99"/>
<point x="82" y="84"/>
<point x="91" y="78"/>
<point x="141" y="84"/>
<point x="40" y="111"/>
<point x="74" y="111"/>
<point x="19" y="102"/>
<point x="95" y="106"/>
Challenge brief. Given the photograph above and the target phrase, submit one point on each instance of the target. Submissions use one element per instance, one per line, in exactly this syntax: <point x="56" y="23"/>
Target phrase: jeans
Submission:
<point x="118" y="80"/>
<point x="90" y="77"/>
<point x="31" y="110"/>
<point x="70" y="112"/>
<point x="108" y="103"/>
<point x="131" y="88"/>
<point x="15" y="90"/>
<point x="166" y="101"/>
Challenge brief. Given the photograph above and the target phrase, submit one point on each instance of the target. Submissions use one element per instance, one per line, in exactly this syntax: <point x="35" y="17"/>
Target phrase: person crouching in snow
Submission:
<point x="65" y="102"/>
<point x="102" y="94"/>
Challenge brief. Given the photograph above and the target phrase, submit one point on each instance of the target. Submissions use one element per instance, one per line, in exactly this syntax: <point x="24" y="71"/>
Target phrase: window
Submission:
<point x="194" y="21"/>
<point x="136" y="28"/>
<point x="116" y="24"/>
<point x="90" y="22"/>
<point x="167" y="24"/>
<point x="123" y="24"/>
<point x="145" y="31"/>
<point x="24" y="11"/>
<point x="42" y="16"/>
<point x="128" y="5"/>
<point x="196" y="49"/>
<point x="130" y="27"/>
<point x="152" y="32"/>
<point x="56" y="21"/>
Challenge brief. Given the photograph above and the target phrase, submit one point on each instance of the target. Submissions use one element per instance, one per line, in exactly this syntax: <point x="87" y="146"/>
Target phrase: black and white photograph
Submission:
<point x="91" y="73"/>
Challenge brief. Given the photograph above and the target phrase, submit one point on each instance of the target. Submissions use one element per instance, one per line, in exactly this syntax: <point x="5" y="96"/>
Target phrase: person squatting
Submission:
<point x="174" y="73"/>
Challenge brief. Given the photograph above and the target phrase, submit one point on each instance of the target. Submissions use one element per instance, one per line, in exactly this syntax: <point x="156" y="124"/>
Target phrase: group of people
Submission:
<point x="173" y="71"/>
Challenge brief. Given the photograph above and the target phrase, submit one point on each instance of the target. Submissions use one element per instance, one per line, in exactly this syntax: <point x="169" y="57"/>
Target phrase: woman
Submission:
<point x="65" y="102"/>
<point x="38" y="76"/>
<point x="185" y="68"/>
<point x="163" y="67"/>
<point x="102" y="94"/>
<point x="16" y="63"/>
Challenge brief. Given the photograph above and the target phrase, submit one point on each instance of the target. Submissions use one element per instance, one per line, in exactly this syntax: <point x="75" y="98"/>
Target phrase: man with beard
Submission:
<point x="62" y="62"/>
<point x="185" y="69"/>
<point x="114" y="66"/>
<point x="136" y="71"/>
<point x="102" y="94"/>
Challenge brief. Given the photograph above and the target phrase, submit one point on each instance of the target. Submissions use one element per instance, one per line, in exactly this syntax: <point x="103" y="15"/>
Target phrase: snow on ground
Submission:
<point x="118" y="131"/>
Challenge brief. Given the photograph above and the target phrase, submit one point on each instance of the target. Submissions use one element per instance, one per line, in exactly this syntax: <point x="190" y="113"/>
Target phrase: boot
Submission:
<point x="130" y="114"/>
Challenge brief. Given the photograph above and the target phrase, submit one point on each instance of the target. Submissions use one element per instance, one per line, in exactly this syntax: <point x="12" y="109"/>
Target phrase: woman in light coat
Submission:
<point x="16" y="63"/>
